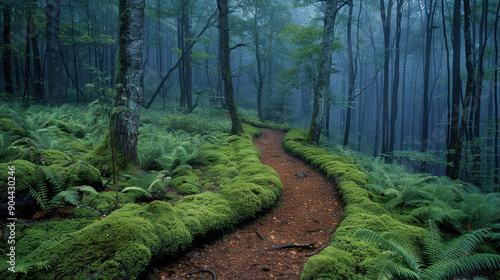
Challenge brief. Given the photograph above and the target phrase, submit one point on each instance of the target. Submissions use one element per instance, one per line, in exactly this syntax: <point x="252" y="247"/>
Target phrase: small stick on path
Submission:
<point x="290" y="245"/>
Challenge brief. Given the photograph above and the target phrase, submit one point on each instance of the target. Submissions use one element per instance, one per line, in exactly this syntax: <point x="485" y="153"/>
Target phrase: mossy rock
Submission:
<point x="25" y="176"/>
<point x="7" y="124"/>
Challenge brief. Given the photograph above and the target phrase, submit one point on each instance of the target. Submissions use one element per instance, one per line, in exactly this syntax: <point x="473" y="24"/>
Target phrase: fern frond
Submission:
<point x="24" y="141"/>
<point x="376" y="239"/>
<point x="87" y="189"/>
<point x="69" y="196"/>
<point x="55" y="181"/>
<point x="465" y="244"/>
<point x="449" y="267"/>
<point x="139" y="189"/>
<point x="40" y="193"/>
<point x="433" y="243"/>
<point x="392" y="269"/>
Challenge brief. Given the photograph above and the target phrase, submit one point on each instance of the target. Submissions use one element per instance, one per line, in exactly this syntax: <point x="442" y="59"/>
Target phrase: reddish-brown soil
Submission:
<point x="311" y="210"/>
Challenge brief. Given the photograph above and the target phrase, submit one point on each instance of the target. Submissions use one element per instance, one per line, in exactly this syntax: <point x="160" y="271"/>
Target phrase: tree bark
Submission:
<point x="386" y="21"/>
<point x="351" y="74"/>
<point x="429" y="28"/>
<point x="52" y="52"/>
<point x="129" y="78"/>
<point x="456" y="91"/>
<point x="395" y="84"/>
<point x="468" y="90"/>
<point x="322" y="85"/>
<point x="223" y="8"/>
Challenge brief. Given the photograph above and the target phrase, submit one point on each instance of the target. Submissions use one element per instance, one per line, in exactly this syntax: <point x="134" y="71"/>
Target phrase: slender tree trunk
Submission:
<point x="457" y="92"/>
<point x="496" y="85"/>
<point x="260" y="77"/>
<point x="386" y="21"/>
<point x="468" y="90"/>
<point x="476" y="100"/>
<point x="52" y="52"/>
<point x="395" y="84"/>
<point x="322" y="85"/>
<point x="37" y="69"/>
<point x="27" y="54"/>
<point x="223" y="8"/>
<point x="429" y="28"/>
<point x="403" y="87"/>
<point x="7" y="53"/>
<point x="351" y="74"/>
<point x="188" y="72"/>
<point x="129" y="77"/>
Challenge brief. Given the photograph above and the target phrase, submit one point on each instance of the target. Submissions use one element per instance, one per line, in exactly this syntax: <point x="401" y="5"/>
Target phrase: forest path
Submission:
<point x="311" y="210"/>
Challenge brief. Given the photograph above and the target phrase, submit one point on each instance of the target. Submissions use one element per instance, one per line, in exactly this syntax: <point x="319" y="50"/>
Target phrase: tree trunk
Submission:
<point x="52" y="52"/>
<point x="468" y="91"/>
<point x="260" y="77"/>
<point x="429" y="28"/>
<point x="496" y="85"/>
<point x="386" y="21"/>
<point x="456" y="92"/>
<point x="223" y="8"/>
<point x="322" y="85"/>
<point x="351" y="74"/>
<point x="129" y="78"/>
<point x="395" y="84"/>
<point x="7" y="53"/>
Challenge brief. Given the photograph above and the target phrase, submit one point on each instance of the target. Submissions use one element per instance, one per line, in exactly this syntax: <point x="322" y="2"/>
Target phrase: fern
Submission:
<point x="67" y="196"/>
<point x="139" y="189"/>
<point x="30" y="262"/>
<point x="40" y="193"/>
<point x="55" y="181"/>
<point x="444" y="259"/>
<point x="433" y="243"/>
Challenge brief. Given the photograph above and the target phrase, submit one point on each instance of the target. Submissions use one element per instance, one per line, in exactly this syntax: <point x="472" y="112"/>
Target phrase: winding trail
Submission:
<point x="311" y="210"/>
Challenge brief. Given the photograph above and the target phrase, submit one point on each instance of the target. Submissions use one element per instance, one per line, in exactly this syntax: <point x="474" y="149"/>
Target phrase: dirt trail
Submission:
<point x="310" y="212"/>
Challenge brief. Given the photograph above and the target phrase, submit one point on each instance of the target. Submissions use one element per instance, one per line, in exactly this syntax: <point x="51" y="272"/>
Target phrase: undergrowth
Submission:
<point x="193" y="180"/>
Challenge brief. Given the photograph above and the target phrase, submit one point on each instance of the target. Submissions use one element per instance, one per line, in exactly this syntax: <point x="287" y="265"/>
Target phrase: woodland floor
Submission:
<point x="311" y="210"/>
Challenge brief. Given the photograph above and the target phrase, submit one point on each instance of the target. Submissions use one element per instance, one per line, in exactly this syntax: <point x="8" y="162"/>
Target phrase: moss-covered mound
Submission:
<point x="348" y="257"/>
<point x="130" y="237"/>
<point x="256" y="123"/>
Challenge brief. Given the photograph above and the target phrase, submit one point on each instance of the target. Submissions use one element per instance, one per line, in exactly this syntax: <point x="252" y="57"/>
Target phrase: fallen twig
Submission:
<point x="202" y="270"/>
<point x="320" y="248"/>
<point x="289" y="245"/>
<point x="260" y="235"/>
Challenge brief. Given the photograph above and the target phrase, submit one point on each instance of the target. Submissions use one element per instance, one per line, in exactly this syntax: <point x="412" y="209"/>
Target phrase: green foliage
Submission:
<point x="138" y="189"/>
<point x="443" y="259"/>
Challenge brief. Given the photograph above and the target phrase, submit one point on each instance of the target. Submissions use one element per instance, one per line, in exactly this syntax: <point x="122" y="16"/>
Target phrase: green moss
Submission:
<point x="256" y="123"/>
<point x="7" y="124"/>
<point x="132" y="234"/>
<point x="135" y="234"/>
<point x="45" y="157"/>
<point x="78" y="174"/>
<point x="105" y="202"/>
<point x="348" y="257"/>
<point x="336" y="263"/>
<point x="100" y="157"/>
<point x="25" y="176"/>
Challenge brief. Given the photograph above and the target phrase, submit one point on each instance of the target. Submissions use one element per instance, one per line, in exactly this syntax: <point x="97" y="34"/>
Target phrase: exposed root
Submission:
<point x="260" y="235"/>
<point x="320" y="248"/>
<point x="202" y="270"/>
<point x="291" y="245"/>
